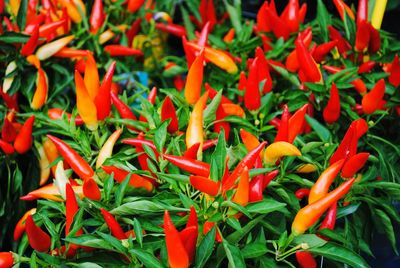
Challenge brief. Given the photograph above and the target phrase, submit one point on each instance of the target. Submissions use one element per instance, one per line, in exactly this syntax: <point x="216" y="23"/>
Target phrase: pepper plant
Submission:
<point x="148" y="133"/>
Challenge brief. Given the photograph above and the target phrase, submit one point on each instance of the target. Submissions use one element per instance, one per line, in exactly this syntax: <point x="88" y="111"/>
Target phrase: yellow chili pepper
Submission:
<point x="86" y="107"/>
<point x="40" y="96"/>
<point x="44" y="165"/>
<point x="377" y="14"/>
<point x="91" y="77"/>
<point x="306" y="168"/>
<point x="194" y="132"/>
<point x="106" y="150"/>
<point x="279" y="149"/>
<point x="250" y="141"/>
<point x="49" y="49"/>
<point x="109" y="34"/>
<point x="72" y="10"/>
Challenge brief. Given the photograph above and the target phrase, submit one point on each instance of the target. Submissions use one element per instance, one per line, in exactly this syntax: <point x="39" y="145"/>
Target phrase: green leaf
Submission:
<point x="219" y="155"/>
<point x="22" y="11"/>
<point x="146" y="258"/>
<point x="210" y="112"/>
<point x="234" y="255"/>
<point x="119" y="194"/>
<point x="13" y="37"/>
<point x="388" y="227"/>
<point x="266" y="206"/>
<point x="205" y="248"/>
<point x="322" y="132"/>
<point x="160" y="136"/>
<point x="235" y="15"/>
<point x="137" y="228"/>
<point x="323" y="19"/>
<point x="336" y="252"/>
<point x="187" y="23"/>
<point x="254" y="250"/>
<point x="310" y="239"/>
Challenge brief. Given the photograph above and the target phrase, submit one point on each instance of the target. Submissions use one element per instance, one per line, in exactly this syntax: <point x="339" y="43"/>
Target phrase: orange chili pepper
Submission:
<point x="371" y="100"/>
<point x="194" y="79"/>
<point x="20" y="226"/>
<point x="321" y="186"/>
<point x="91" y="77"/>
<point x="23" y="141"/>
<point x="309" y="215"/>
<point x="51" y="153"/>
<point x="241" y="196"/>
<point x="40" y="95"/>
<point x="194" y="132"/>
<point x="228" y="38"/>
<point x="86" y="107"/>
<point x="177" y="255"/>
<point x="343" y="8"/>
<point x="205" y="185"/>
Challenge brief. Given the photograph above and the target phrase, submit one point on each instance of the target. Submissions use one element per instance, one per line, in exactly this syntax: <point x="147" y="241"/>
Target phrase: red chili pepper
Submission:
<point x="366" y="67"/>
<point x="8" y="132"/>
<point x="374" y="40"/>
<point x="283" y="130"/>
<point x="309" y="215"/>
<point x="189" y="235"/>
<point x="278" y="25"/>
<point x="342" y="45"/>
<point x="205" y="185"/>
<point x="171" y="28"/>
<point x="359" y="85"/>
<point x="48" y="30"/>
<point x="321" y="186"/>
<point x="133" y="30"/>
<point x="212" y="93"/>
<point x="208" y="225"/>
<point x="191" y="152"/>
<point x="135" y="180"/>
<point x="203" y="38"/>
<point x="372" y="99"/>
<point x="23" y="141"/>
<point x="354" y="164"/>
<point x="6" y="258"/>
<point x="296" y="123"/>
<point x="6" y="147"/>
<point x="252" y="95"/>
<point x="301" y="193"/>
<point x="113" y="225"/>
<point x="188" y="52"/>
<point x="362" y="36"/>
<point x="218" y="126"/>
<point x="119" y="50"/>
<point x="103" y="97"/>
<point x="194" y="79"/>
<point x="305" y="259"/>
<point x="248" y="161"/>
<point x="331" y="111"/>
<point x="190" y="165"/>
<point x="71" y="208"/>
<point x="362" y="11"/>
<point x="74" y="160"/>
<point x="263" y="70"/>
<point x="263" y="23"/>
<point x="394" y="77"/>
<point x="322" y="50"/>
<point x="134" y="5"/>
<point x="38" y="239"/>
<point x="256" y="185"/>
<point x="97" y="16"/>
<point x="302" y="12"/>
<point x="177" y="255"/>
<point x="10" y="101"/>
<point x="329" y="220"/>
<point x="142" y="157"/>
<point x="307" y="63"/>
<point x="139" y="142"/>
<point x="123" y="109"/>
<point x="291" y="15"/>
<point x="31" y="44"/>
<point x="269" y="177"/>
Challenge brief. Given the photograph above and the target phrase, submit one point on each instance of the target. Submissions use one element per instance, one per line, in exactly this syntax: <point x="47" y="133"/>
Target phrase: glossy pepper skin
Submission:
<point x="330" y="218"/>
<point x="38" y="239"/>
<point x="321" y="186"/>
<point x="91" y="77"/>
<point x="190" y="165"/>
<point x="86" y="107"/>
<point x="8" y="132"/>
<point x="41" y="92"/>
<point x="168" y="112"/>
<point x="301" y="193"/>
<point x="252" y="95"/>
<point x="30" y="46"/>
<point x="123" y="109"/>
<point x="283" y="130"/>
<point x="6" y="260"/>
<point x="194" y="131"/>
<point x="194" y="79"/>
<point x="46" y="51"/>
<point x="71" y="208"/>
<point x="309" y="215"/>
<point x="107" y="148"/>
<point x="113" y="225"/>
<point x="74" y="160"/>
<point x="122" y="51"/>
<point x="371" y="100"/>
<point x="205" y="185"/>
<point x="307" y="63"/>
<point x="97" y="16"/>
<point x="23" y="141"/>
<point x="305" y="259"/>
<point x="296" y="123"/>
<point x="331" y="111"/>
<point x="20" y="226"/>
<point x="279" y="149"/>
<point x="177" y="254"/>
<point x="6" y="147"/>
<point x="354" y="164"/>
<point x="343" y="9"/>
<point x="241" y="196"/>
<point x="103" y="98"/>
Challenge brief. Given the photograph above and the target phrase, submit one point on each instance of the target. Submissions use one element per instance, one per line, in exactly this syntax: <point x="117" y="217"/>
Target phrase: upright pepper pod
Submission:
<point x="291" y="15"/>
<point x="8" y="132"/>
<point x="71" y="208"/>
<point x="249" y="140"/>
<point x="194" y="79"/>
<point x="86" y="107"/>
<point x="103" y="98"/>
<point x="113" y="225"/>
<point x="241" y="196"/>
<point x="362" y="11"/>
<point x="38" y="239"/>
<point x="252" y="95"/>
<point x="394" y="77"/>
<point x="309" y="215"/>
<point x="168" y="112"/>
<point x="362" y="36"/>
<point x="283" y="130"/>
<point x="23" y="141"/>
<point x="307" y="63"/>
<point x="296" y="123"/>
<point x="343" y="9"/>
<point x="331" y="111"/>
<point x="330" y="218"/>
<point x="41" y="92"/>
<point x="194" y="132"/>
<point x="177" y="255"/>
<point x="371" y="100"/>
<point x="91" y="77"/>
<point x="278" y="25"/>
<point x="97" y="16"/>
<point x="263" y="24"/>
<point x="30" y="46"/>
<point x="321" y="186"/>
<point x="377" y="14"/>
<point x="134" y="5"/>
<point x="263" y="70"/>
